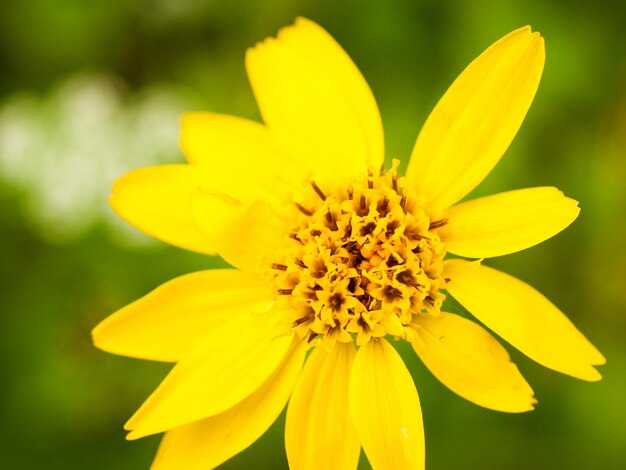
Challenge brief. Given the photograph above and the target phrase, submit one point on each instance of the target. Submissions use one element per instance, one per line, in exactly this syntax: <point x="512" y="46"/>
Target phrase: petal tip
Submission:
<point x="593" y="375"/>
<point x="132" y="436"/>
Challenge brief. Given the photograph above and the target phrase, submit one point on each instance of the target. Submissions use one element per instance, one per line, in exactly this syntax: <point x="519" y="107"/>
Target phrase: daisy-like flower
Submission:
<point x="336" y="255"/>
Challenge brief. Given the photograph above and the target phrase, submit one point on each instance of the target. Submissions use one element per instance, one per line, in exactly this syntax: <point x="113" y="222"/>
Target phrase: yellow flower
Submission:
<point x="336" y="255"/>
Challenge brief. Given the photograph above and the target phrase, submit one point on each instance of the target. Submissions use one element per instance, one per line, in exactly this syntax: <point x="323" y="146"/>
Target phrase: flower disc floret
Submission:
<point x="362" y="260"/>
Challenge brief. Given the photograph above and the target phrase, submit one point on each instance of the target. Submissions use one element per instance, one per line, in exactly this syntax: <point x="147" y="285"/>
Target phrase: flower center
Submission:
<point x="362" y="261"/>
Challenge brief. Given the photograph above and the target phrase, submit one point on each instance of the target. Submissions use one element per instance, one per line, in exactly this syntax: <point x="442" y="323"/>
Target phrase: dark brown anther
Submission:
<point x="414" y="235"/>
<point x="350" y="246"/>
<point x="364" y="325"/>
<point x="406" y="277"/>
<point x="403" y="201"/>
<point x="350" y="194"/>
<point x="437" y="224"/>
<point x="430" y="300"/>
<point x="331" y="221"/>
<point x="295" y="237"/>
<point x="394" y="261"/>
<point x="348" y="230"/>
<point x="280" y="267"/>
<point x="362" y="206"/>
<point x="301" y="320"/>
<point x="318" y="191"/>
<point x="367" y="229"/>
<point x="447" y="279"/>
<point x="320" y="272"/>
<point x="335" y="302"/>
<point x="391" y="228"/>
<point x="416" y="250"/>
<point x="391" y="293"/>
<point x="285" y="291"/>
<point x="300" y="263"/>
<point x="315" y="232"/>
<point x="304" y="210"/>
<point x="312" y="336"/>
<point x="319" y="269"/>
<point x="394" y="182"/>
<point x="383" y="206"/>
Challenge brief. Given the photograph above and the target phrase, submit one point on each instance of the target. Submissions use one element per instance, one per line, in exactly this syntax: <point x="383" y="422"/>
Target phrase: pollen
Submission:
<point x="361" y="261"/>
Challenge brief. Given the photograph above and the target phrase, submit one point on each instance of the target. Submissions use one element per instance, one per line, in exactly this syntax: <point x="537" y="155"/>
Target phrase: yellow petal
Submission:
<point x="524" y="318"/>
<point x="209" y="442"/>
<point x="315" y="101"/>
<point x="385" y="408"/>
<point x="319" y="432"/>
<point x="470" y="362"/>
<point x="156" y="200"/>
<point x="507" y="222"/>
<point x="473" y="124"/>
<point x="240" y="155"/>
<point x="228" y="365"/>
<point x="245" y="236"/>
<point x="169" y="321"/>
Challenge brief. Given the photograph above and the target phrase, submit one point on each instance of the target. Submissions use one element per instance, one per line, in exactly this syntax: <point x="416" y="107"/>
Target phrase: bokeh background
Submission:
<point x="92" y="89"/>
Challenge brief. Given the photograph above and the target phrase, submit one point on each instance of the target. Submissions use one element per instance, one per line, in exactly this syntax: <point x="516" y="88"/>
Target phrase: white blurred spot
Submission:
<point x="64" y="151"/>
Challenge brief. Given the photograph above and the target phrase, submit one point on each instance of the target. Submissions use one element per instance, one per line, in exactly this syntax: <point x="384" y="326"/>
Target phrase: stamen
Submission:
<point x="362" y="206"/>
<point x="367" y="229"/>
<point x="413" y="235"/>
<point x="437" y="224"/>
<point x="280" y="267"/>
<point x="335" y="302"/>
<point x="301" y="320"/>
<point x="406" y="277"/>
<point x="316" y="233"/>
<point x="364" y="325"/>
<point x="391" y="293"/>
<point x="319" y="273"/>
<point x="403" y="201"/>
<point x="304" y="210"/>
<point x="331" y="221"/>
<point x="393" y="261"/>
<point x="383" y="206"/>
<point x="285" y="291"/>
<point x="300" y="263"/>
<point x="394" y="182"/>
<point x="391" y="228"/>
<point x="296" y="238"/>
<point x="430" y="300"/>
<point x="318" y="191"/>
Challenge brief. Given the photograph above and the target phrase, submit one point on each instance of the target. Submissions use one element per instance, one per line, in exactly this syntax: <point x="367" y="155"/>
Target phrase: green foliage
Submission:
<point x="63" y="403"/>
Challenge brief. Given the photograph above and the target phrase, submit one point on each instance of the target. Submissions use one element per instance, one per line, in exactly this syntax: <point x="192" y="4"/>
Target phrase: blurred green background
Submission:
<point x="92" y="89"/>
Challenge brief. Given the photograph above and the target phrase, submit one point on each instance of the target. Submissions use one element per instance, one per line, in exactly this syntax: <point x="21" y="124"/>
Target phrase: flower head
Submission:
<point x="337" y="255"/>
